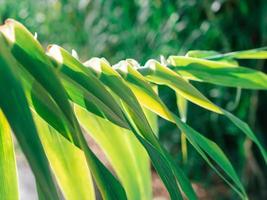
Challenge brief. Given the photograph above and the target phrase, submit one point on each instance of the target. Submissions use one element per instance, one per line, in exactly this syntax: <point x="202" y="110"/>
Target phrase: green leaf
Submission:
<point x="117" y="99"/>
<point x="162" y="75"/>
<point x="29" y="53"/>
<point x="182" y="108"/>
<point x="124" y="152"/>
<point x="201" y="144"/>
<point x="219" y="73"/>
<point x="239" y="123"/>
<point x="68" y="163"/>
<point x="8" y="170"/>
<point x="139" y="125"/>
<point x="84" y="88"/>
<point x="246" y="129"/>
<point x="183" y="61"/>
<point x="31" y="56"/>
<point x="260" y="53"/>
<point x="66" y="60"/>
<point x="143" y="91"/>
<point x="201" y="53"/>
<point x="161" y="166"/>
<point x="152" y="119"/>
<point x="44" y="107"/>
<point x="209" y="54"/>
<point x="117" y="85"/>
<point x="197" y="140"/>
<point x="14" y="101"/>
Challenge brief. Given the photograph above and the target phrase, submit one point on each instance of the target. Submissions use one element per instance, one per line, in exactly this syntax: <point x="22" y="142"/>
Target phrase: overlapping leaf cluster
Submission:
<point x="50" y="98"/>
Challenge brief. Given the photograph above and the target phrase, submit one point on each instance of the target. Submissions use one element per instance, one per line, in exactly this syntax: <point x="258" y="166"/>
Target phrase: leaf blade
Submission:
<point x="22" y="123"/>
<point x="8" y="171"/>
<point x="68" y="163"/>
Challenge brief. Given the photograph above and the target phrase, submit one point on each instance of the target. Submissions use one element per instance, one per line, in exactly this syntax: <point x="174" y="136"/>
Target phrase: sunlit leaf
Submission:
<point x="124" y="152"/>
<point x="260" y="53"/>
<point x="139" y="124"/>
<point x="68" y="163"/>
<point x="199" y="143"/>
<point x="219" y="73"/>
<point x="32" y="57"/>
<point x="21" y="122"/>
<point x="8" y="171"/>
<point x="182" y="108"/>
<point x="118" y="106"/>
<point x="84" y="88"/>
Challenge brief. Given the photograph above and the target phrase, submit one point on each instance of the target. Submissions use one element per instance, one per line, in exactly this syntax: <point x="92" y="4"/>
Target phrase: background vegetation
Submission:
<point x="143" y="29"/>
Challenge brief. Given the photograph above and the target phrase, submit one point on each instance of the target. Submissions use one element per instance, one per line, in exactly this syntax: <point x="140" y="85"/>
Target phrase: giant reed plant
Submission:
<point x="51" y="99"/>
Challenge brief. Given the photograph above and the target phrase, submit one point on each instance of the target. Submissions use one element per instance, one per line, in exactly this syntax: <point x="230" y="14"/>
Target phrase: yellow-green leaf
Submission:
<point x="8" y="170"/>
<point x="14" y="101"/>
<point x="220" y="73"/>
<point x="127" y="157"/>
<point x="68" y="163"/>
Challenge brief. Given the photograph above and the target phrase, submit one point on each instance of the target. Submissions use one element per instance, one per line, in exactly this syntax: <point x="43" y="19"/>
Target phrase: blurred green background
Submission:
<point x="143" y="29"/>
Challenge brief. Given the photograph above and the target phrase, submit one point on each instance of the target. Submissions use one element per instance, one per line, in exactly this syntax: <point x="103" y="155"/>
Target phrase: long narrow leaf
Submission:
<point x="161" y="78"/>
<point x="14" y="101"/>
<point x="68" y="163"/>
<point x="8" y="170"/>
<point x="126" y="155"/>
<point x="33" y="58"/>
<point x="139" y="124"/>
<point x="260" y="53"/>
<point x="219" y="73"/>
<point x="162" y="75"/>
<point x="133" y="78"/>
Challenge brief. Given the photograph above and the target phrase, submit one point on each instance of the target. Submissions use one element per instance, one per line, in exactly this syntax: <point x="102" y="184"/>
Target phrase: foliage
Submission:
<point x="48" y="98"/>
